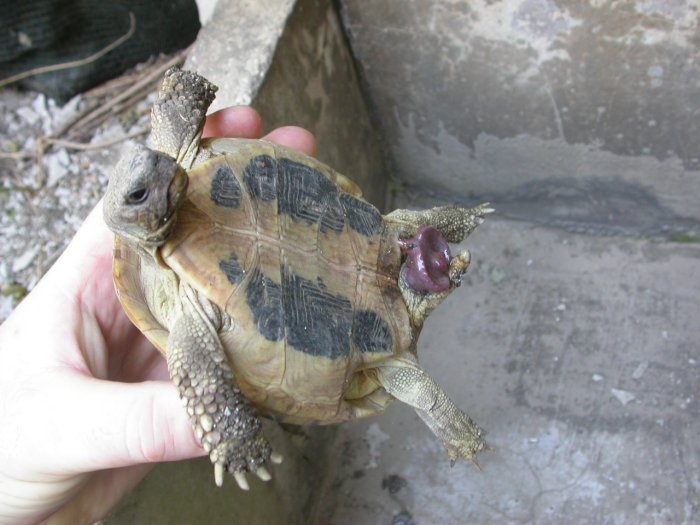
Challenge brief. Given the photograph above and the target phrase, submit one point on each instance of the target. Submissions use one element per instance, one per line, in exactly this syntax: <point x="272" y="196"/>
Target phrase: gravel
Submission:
<point x="45" y="198"/>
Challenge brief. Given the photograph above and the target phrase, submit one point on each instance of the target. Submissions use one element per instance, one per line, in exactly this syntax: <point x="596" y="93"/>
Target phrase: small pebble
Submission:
<point x="623" y="396"/>
<point x="639" y="371"/>
<point x="497" y="274"/>
<point x="23" y="261"/>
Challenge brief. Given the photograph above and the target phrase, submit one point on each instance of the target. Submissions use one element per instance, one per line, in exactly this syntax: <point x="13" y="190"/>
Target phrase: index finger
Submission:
<point x="245" y="122"/>
<point x="237" y="121"/>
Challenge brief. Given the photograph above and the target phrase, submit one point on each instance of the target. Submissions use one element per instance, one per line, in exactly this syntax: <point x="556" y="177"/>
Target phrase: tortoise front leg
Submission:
<point x="406" y="381"/>
<point x="223" y="418"/>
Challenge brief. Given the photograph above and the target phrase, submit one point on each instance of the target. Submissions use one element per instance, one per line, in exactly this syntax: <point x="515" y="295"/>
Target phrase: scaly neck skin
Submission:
<point x="149" y="252"/>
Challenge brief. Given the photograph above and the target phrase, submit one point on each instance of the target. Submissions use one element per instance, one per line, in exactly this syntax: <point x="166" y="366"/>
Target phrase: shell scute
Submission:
<point x="225" y="188"/>
<point x="232" y="268"/>
<point x="372" y="333"/>
<point x="264" y="299"/>
<point x="317" y="320"/>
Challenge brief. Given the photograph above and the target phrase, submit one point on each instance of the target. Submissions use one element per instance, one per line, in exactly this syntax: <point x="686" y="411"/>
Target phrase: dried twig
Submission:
<point x="94" y="115"/>
<point x="83" y="146"/>
<point x="74" y="63"/>
<point x="43" y="144"/>
<point x="17" y="155"/>
<point x="138" y="90"/>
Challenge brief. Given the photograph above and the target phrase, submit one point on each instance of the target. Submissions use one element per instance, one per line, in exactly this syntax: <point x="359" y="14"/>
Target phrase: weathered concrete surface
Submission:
<point x="580" y="356"/>
<point x="290" y="60"/>
<point x="528" y="101"/>
<point x="235" y="48"/>
<point x="312" y="83"/>
<point x="206" y="10"/>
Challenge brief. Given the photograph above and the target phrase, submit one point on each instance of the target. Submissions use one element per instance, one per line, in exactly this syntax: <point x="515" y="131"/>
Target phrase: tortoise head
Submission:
<point x="143" y="196"/>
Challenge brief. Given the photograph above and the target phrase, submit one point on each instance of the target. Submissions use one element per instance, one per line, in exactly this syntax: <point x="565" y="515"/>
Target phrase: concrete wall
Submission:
<point x="584" y="114"/>
<point x="312" y="82"/>
<point x="290" y="60"/>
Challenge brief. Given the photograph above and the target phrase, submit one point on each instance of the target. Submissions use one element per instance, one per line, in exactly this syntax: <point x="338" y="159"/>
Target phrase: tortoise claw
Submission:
<point x="240" y="477"/>
<point x="276" y="458"/>
<point x="218" y="474"/>
<point x="241" y="480"/>
<point x="263" y="474"/>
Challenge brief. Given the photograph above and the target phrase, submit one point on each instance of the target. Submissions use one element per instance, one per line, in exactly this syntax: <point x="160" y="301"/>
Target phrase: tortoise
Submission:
<point x="273" y="288"/>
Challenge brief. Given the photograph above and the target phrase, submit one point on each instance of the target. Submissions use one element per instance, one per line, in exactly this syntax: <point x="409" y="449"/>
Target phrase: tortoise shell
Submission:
<point x="304" y="267"/>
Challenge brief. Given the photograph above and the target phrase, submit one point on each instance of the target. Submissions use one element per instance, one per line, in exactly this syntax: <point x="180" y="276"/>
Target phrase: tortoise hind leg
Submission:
<point x="225" y="422"/>
<point x="406" y="381"/>
<point x="452" y="222"/>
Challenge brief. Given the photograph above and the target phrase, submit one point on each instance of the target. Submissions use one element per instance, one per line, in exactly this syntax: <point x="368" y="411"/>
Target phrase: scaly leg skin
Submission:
<point x="454" y="223"/>
<point x="223" y="419"/>
<point x="407" y="382"/>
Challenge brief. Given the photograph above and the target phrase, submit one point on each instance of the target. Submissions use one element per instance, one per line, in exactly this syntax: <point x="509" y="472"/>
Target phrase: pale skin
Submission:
<point x="88" y="403"/>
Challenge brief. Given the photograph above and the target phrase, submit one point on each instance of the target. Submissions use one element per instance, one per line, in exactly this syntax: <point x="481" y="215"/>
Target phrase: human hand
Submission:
<point x="86" y="401"/>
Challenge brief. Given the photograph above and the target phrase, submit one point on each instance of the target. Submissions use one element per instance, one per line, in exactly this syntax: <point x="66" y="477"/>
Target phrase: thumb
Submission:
<point x="123" y="424"/>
